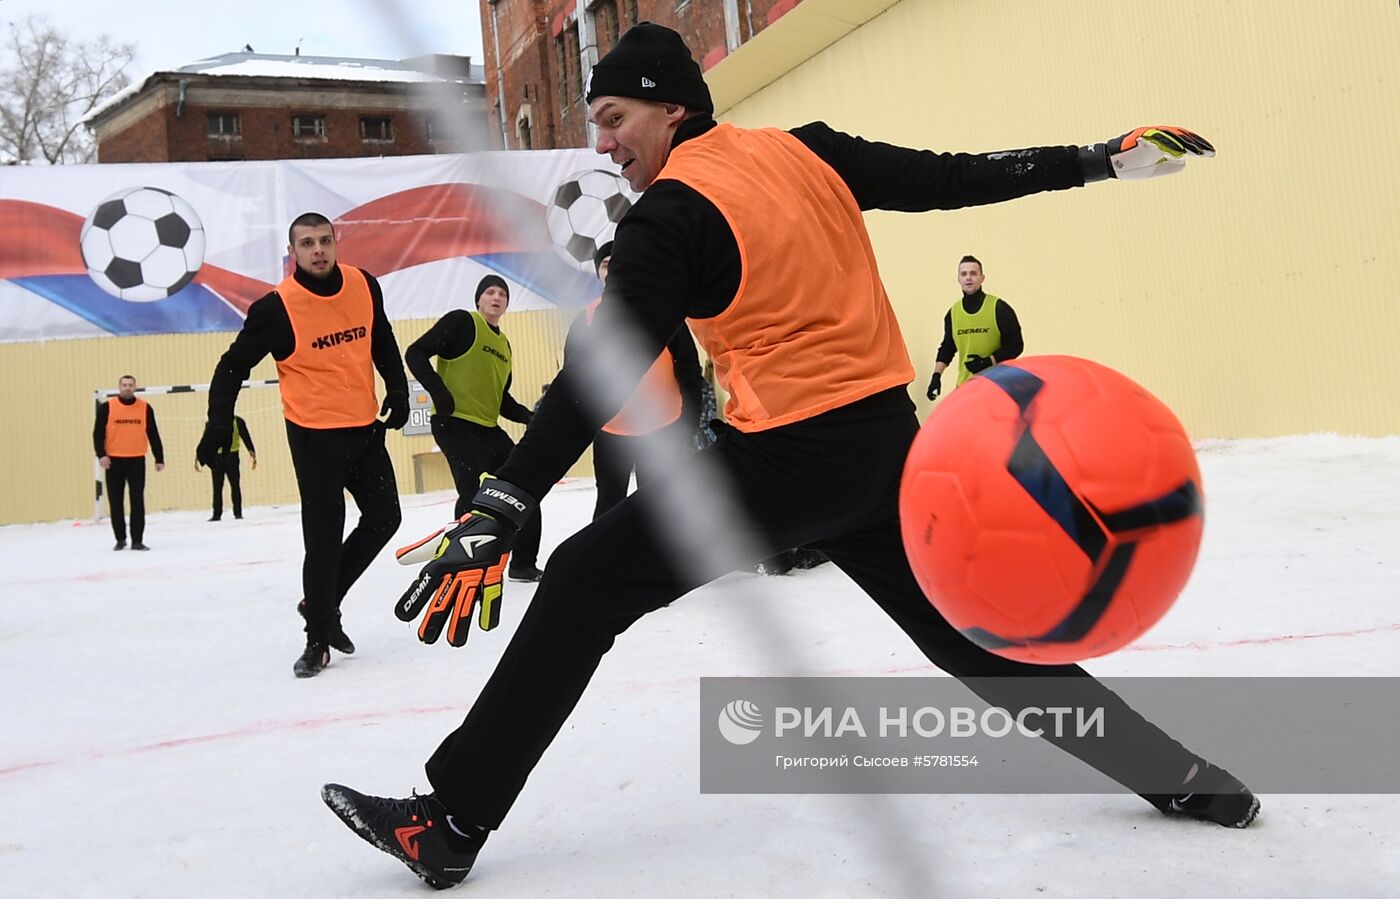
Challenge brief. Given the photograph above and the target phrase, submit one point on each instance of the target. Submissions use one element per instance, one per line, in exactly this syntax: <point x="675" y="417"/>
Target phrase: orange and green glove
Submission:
<point x="1143" y="153"/>
<point x="466" y="565"/>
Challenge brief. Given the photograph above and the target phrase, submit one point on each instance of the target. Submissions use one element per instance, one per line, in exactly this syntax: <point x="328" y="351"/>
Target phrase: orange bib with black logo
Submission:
<point x="126" y="429"/>
<point x="328" y="380"/>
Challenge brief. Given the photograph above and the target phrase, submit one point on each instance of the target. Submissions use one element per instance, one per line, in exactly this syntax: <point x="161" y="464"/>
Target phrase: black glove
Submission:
<point x="467" y="567"/>
<point x="977" y="363"/>
<point x="935" y="385"/>
<point x="395" y="409"/>
<point x="443" y="403"/>
<point x="214" y="444"/>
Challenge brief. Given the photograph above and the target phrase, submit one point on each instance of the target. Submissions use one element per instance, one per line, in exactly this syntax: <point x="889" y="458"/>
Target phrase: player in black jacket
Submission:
<point x="828" y="479"/>
<point x="328" y="398"/>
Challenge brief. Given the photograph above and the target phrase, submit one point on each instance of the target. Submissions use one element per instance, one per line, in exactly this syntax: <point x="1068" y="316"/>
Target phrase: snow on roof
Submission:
<point x="267" y="65"/>
<point x="263" y="65"/>
<point x="114" y="101"/>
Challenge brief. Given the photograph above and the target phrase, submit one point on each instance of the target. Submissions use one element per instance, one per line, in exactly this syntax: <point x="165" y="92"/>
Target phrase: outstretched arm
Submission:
<point x="901" y="179"/>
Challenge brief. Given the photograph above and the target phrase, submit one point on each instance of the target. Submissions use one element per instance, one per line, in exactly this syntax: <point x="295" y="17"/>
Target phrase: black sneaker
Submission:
<point x="1220" y="798"/>
<point x="216" y="518"/>
<point x="121" y="544"/>
<point x="804" y="559"/>
<point x="417" y="831"/>
<point x="315" y="657"/>
<point x="140" y="547"/>
<point x="525" y="573"/>
<point x="776" y="565"/>
<point x="338" y="640"/>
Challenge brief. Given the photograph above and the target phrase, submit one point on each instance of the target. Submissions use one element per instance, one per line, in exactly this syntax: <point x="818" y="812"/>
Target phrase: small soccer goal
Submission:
<point x="180" y="411"/>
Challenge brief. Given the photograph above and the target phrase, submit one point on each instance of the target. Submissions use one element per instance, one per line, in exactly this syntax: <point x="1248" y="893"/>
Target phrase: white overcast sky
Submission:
<point x="170" y="33"/>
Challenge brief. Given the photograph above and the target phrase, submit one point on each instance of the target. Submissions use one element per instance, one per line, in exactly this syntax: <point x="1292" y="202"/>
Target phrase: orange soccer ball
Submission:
<point x="1051" y="509"/>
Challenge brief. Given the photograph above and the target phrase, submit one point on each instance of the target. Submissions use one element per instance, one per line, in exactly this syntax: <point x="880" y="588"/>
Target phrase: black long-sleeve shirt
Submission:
<point x="267" y="329"/>
<point x="450" y="337"/>
<point x="1012" y="343"/>
<point x="675" y="256"/>
<point x="244" y="434"/>
<point x="99" y="430"/>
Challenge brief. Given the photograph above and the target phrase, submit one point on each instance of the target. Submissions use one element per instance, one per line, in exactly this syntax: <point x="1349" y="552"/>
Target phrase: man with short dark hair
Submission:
<point x="124" y="431"/>
<point x="756" y="237"/>
<point x="326" y="328"/>
<point x="470" y="387"/>
<point x="980" y="329"/>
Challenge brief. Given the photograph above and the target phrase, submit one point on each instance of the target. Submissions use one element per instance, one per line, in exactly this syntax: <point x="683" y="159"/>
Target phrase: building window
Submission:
<point x="309" y="127"/>
<point x="605" y="23"/>
<point x="629" y="13"/>
<point x="561" y="60"/>
<point x="376" y="128"/>
<point x="572" y="62"/>
<point x="224" y="124"/>
<point x="443" y="129"/>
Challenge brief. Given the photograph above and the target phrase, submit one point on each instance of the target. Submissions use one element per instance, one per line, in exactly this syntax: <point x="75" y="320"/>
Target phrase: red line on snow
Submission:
<point x="266" y="727"/>
<point x="1261" y="641"/>
<point x="250" y="730"/>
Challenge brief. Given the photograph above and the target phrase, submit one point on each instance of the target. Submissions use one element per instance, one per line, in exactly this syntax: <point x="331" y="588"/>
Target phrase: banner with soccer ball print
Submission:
<point x="94" y="250"/>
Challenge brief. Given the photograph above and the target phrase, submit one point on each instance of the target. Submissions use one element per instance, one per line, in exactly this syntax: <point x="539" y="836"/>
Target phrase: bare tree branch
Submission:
<point x="52" y="84"/>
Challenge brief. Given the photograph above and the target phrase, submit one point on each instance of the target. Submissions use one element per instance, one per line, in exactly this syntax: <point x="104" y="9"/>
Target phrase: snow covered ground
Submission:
<point x="154" y="742"/>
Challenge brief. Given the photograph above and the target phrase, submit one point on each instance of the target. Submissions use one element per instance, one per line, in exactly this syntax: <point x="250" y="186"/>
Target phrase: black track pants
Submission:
<point x="329" y="463"/>
<point x="127" y="473"/>
<point x="828" y="483"/>
<point x="226" y="465"/>
<point x="471" y="449"/>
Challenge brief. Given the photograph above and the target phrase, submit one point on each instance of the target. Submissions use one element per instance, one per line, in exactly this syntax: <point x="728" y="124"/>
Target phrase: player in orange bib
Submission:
<point x="757" y="237"/>
<point x="326" y="328"/>
<point x="672" y="400"/>
<point x="125" y="430"/>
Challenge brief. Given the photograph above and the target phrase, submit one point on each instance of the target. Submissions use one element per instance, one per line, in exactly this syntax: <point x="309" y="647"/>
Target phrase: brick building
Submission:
<point x="260" y="106"/>
<point x="538" y="53"/>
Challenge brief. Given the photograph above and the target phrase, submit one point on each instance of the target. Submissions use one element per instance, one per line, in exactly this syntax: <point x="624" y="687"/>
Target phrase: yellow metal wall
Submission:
<point x="46" y="443"/>
<point x="1258" y="293"/>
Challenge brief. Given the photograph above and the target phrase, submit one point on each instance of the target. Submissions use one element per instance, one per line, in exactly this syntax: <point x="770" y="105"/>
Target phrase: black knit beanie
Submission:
<point x="602" y="253"/>
<point x="650" y="62"/>
<point x="491" y="281"/>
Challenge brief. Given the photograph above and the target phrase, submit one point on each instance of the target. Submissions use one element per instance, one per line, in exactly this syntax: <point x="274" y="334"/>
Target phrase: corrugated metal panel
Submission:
<point x="1255" y="293"/>
<point x="48" y="470"/>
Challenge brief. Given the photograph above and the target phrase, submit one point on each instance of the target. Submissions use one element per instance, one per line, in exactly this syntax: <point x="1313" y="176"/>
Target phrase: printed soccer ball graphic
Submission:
<point x="1051" y="509"/>
<point x="584" y="211"/>
<point x="142" y="244"/>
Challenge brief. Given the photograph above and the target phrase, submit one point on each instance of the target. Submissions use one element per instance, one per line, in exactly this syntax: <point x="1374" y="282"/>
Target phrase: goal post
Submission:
<point x="180" y="411"/>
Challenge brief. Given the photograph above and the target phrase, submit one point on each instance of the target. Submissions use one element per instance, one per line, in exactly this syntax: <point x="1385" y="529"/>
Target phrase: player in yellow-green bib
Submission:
<point x="470" y="387"/>
<point x="980" y="329"/>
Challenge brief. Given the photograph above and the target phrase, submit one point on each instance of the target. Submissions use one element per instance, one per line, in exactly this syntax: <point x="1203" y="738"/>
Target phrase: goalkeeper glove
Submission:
<point x="1143" y="153"/>
<point x="935" y="385"/>
<point x="466" y="567"/>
